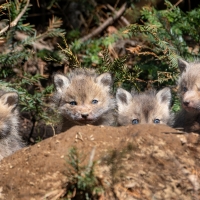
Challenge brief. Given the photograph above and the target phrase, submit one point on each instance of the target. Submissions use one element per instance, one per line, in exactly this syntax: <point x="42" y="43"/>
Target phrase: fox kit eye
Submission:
<point x="185" y="89"/>
<point x="73" y="103"/>
<point x="94" y="101"/>
<point x="135" y="121"/>
<point x="156" y="121"/>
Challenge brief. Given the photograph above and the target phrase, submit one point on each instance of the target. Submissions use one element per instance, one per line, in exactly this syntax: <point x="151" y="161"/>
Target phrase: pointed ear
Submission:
<point x="164" y="96"/>
<point x="123" y="97"/>
<point x="182" y="64"/>
<point x="60" y="82"/>
<point x="105" y="79"/>
<point x="10" y="99"/>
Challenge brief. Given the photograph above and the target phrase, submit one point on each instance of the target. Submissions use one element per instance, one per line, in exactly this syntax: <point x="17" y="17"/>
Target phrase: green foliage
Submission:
<point x="73" y="34"/>
<point x="164" y="34"/>
<point x="67" y="55"/>
<point x="123" y="76"/>
<point x="13" y="58"/>
<point x="82" y="184"/>
<point x="90" y="50"/>
<point x="19" y="50"/>
<point x="34" y="99"/>
<point x="176" y="103"/>
<point x="33" y="96"/>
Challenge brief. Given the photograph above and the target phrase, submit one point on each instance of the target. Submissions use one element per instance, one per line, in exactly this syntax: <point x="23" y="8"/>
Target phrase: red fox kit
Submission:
<point x="83" y="97"/>
<point x="147" y="107"/>
<point x="10" y="140"/>
<point x="189" y="91"/>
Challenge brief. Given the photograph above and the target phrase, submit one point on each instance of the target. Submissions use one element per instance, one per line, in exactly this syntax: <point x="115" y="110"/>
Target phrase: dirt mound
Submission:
<point x="134" y="162"/>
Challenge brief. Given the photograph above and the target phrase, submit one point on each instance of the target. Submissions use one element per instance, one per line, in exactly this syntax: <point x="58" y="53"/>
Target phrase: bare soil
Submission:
<point x="134" y="162"/>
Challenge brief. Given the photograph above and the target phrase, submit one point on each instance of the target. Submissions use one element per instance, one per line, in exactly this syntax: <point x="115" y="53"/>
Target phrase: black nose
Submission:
<point x="84" y="116"/>
<point x="186" y="103"/>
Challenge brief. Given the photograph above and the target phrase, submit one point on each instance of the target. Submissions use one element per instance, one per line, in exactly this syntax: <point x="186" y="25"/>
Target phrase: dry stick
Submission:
<point x="53" y="129"/>
<point x="36" y="45"/>
<point x="189" y="5"/>
<point x="91" y="159"/>
<point x="176" y="4"/>
<point x="109" y="21"/>
<point x="116" y="4"/>
<point x="126" y="22"/>
<point x="14" y="23"/>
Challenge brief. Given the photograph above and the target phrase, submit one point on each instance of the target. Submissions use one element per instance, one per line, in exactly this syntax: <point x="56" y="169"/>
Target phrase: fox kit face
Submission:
<point x="189" y="85"/>
<point x="83" y="96"/>
<point x="148" y="107"/>
<point x="8" y="113"/>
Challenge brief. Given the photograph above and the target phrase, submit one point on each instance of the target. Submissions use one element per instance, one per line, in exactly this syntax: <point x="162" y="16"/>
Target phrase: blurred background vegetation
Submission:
<point x="138" y="41"/>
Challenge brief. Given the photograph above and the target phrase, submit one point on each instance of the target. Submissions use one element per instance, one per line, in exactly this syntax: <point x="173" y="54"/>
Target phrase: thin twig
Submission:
<point x="14" y="23"/>
<point x="189" y="5"/>
<point x="91" y="159"/>
<point x="108" y="22"/>
<point x="176" y="4"/>
<point x="36" y="45"/>
<point x="54" y="133"/>
<point x="126" y="22"/>
<point x="116" y="4"/>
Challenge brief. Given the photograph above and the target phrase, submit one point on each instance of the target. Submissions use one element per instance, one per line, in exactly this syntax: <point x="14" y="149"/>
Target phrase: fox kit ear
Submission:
<point x="60" y="82"/>
<point x="105" y="79"/>
<point x="182" y="64"/>
<point x="10" y="99"/>
<point x="123" y="97"/>
<point x="164" y="96"/>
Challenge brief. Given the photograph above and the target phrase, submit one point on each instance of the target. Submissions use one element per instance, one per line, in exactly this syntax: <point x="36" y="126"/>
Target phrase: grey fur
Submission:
<point x="10" y="140"/>
<point x="83" y="86"/>
<point x="189" y="92"/>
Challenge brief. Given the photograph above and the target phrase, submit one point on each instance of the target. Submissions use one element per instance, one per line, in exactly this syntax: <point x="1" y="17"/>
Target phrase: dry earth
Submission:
<point x="135" y="162"/>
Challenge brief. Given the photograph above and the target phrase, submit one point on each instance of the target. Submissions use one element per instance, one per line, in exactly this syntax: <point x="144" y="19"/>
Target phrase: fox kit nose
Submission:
<point x="84" y="115"/>
<point x="186" y="103"/>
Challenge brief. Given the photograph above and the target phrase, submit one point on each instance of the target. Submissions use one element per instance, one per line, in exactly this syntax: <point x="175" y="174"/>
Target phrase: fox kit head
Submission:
<point x="147" y="107"/>
<point x="8" y="112"/>
<point x="189" y="85"/>
<point x="83" y="96"/>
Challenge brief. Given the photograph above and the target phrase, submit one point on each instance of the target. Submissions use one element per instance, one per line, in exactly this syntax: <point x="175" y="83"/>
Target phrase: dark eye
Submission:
<point x="185" y="89"/>
<point x="135" y="121"/>
<point x="94" y="101"/>
<point x="73" y="103"/>
<point x="156" y="121"/>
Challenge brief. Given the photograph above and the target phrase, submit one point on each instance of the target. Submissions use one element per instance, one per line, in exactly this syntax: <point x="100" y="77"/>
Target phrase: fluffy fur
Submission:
<point x="10" y="140"/>
<point x="83" y="97"/>
<point x="189" y="91"/>
<point x="147" y="107"/>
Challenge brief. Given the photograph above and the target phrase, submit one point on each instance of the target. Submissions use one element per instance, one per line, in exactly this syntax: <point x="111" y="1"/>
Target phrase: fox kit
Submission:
<point x="189" y="91"/>
<point x="147" y="107"/>
<point x="83" y="97"/>
<point x="10" y="140"/>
